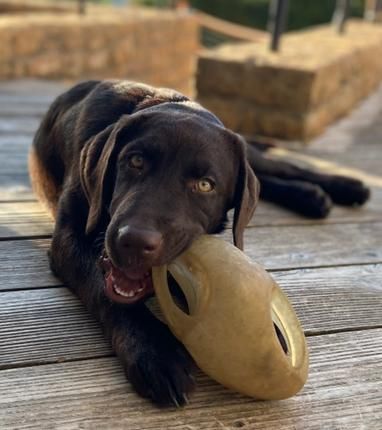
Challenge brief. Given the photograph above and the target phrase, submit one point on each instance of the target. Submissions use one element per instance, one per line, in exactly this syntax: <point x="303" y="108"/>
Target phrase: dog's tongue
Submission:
<point x="126" y="286"/>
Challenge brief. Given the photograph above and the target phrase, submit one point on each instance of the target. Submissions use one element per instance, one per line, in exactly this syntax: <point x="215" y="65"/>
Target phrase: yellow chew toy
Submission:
<point x="229" y="330"/>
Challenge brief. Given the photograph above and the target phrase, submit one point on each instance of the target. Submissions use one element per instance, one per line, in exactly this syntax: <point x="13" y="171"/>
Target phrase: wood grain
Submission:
<point x="344" y="390"/>
<point x="47" y="325"/>
<point x="50" y="325"/>
<point x="24" y="264"/>
<point x="314" y="245"/>
<point x="11" y="191"/>
<point x="24" y="219"/>
<point x="37" y="89"/>
<point x="16" y="125"/>
<point x="335" y="298"/>
<point x="19" y="106"/>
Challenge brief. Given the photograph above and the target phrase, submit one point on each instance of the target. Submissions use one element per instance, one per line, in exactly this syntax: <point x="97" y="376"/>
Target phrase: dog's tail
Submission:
<point x="43" y="183"/>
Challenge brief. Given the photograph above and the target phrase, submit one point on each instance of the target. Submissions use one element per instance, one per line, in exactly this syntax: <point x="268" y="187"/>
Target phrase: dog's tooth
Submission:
<point x="118" y="290"/>
<point x="124" y="293"/>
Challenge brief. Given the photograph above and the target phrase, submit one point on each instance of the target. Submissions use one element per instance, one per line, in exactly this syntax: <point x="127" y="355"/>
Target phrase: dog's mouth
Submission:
<point x="127" y="286"/>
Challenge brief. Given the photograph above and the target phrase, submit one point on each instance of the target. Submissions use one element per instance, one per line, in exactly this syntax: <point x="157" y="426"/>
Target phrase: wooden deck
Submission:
<point x="57" y="372"/>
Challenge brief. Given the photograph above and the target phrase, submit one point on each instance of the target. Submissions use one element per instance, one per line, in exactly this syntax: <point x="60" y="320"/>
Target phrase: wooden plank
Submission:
<point x="344" y="390"/>
<point x="22" y="110"/>
<point x="50" y="325"/>
<point x="47" y="325"/>
<point x="25" y="263"/>
<point x="17" y="143"/>
<point x="15" y="169"/>
<point x="24" y="219"/>
<point x="14" y="180"/>
<point x="27" y="88"/>
<point x="24" y="104"/>
<point x="13" y="192"/>
<point x="314" y="245"/>
<point x="335" y="298"/>
<point x="16" y="125"/>
<point x="11" y="98"/>
<point x="357" y="133"/>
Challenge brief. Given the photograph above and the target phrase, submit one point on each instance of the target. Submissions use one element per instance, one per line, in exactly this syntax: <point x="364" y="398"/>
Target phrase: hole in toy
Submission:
<point x="177" y="294"/>
<point x="281" y="338"/>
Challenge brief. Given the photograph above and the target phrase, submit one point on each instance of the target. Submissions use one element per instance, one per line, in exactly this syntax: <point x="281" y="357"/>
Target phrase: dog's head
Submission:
<point x="160" y="178"/>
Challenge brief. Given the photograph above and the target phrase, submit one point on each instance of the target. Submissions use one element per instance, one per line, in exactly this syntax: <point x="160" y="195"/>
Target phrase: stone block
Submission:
<point x="5" y="46"/>
<point x="27" y="41"/>
<point x="317" y="77"/>
<point x="46" y="65"/>
<point x="138" y="44"/>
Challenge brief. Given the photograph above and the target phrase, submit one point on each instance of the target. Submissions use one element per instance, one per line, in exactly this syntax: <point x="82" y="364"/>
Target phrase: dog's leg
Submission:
<point x="154" y="361"/>
<point x="302" y="197"/>
<point x="342" y="190"/>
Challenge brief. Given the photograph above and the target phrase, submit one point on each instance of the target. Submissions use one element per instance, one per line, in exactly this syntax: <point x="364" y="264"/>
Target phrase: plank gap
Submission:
<point x="43" y="287"/>
<point x="38" y="363"/>
<point x="313" y="333"/>
<point x="28" y="237"/>
<point x="324" y="266"/>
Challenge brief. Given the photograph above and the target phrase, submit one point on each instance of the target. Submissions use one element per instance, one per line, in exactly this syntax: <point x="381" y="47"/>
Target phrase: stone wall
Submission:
<point x="155" y="47"/>
<point x="317" y="77"/>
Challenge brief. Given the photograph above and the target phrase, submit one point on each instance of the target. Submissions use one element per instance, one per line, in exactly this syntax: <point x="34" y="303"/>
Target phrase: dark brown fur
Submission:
<point x="80" y="167"/>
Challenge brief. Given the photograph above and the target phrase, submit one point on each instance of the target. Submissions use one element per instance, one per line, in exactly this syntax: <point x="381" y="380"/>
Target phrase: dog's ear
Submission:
<point x="98" y="157"/>
<point x="246" y="194"/>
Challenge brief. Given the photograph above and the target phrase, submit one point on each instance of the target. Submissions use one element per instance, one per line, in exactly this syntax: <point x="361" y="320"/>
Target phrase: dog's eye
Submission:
<point x="205" y="185"/>
<point x="136" y="161"/>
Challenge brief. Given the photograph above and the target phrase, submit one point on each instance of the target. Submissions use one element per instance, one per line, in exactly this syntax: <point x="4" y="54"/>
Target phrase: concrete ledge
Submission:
<point x="295" y="94"/>
<point x="154" y="47"/>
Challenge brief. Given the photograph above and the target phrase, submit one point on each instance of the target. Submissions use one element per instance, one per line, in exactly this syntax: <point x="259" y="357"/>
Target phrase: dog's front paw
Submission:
<point x="162" y="372"/>
<point x="348" y="191"/>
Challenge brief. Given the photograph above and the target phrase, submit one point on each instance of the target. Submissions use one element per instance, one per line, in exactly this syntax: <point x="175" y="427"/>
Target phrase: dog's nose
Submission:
<point x="146" y="243"/>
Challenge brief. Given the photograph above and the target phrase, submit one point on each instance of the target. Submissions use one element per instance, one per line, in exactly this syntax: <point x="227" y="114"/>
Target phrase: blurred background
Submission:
<point x="277" y="68"/>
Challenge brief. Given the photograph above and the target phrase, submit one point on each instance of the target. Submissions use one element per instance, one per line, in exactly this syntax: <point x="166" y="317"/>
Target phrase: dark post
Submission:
<point x="82" y="7"/>
<point x="341" y="15"/>
<point x="278" y="12"/>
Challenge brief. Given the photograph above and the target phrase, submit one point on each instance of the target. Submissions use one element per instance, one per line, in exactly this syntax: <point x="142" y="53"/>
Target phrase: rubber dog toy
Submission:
<point x="233" y="305"/>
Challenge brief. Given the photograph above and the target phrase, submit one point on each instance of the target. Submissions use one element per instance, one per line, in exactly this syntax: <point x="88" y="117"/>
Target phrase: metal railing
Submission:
<point x="278" y="17"/>
<point x="81" y="7"/>
<point x="278" y="13"/>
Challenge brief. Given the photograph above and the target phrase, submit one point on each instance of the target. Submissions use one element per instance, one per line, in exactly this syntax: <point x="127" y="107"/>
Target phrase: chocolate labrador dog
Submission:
<point x="132" y="175"/>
